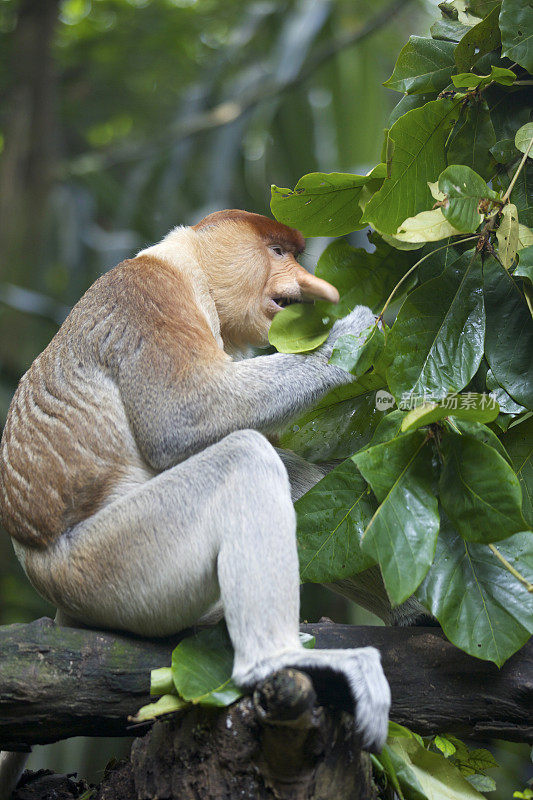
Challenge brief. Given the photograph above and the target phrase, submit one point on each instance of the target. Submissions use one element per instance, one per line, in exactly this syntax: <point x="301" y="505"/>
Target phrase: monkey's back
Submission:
<point x="67" y="442"/>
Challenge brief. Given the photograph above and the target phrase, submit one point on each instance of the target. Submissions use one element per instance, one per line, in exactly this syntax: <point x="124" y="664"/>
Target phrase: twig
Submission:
<point x="412" y="269"/>
<point x="507" y="194"/>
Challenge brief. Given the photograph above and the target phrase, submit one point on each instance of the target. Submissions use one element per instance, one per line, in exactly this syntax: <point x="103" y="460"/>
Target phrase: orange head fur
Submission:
<point x="250" y="262"/>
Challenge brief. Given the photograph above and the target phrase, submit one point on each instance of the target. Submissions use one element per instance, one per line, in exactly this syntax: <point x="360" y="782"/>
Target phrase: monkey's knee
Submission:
<point x="252" y="451"/>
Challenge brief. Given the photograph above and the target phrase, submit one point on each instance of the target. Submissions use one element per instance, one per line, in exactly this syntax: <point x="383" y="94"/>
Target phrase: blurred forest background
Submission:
<point x="122" y="118"/>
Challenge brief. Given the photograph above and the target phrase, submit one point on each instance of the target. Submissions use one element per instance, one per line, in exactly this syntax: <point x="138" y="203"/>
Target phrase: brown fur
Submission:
<point x="147" y="330"/>
<point x="269" y="230"/>
<point x="67" y="442"/>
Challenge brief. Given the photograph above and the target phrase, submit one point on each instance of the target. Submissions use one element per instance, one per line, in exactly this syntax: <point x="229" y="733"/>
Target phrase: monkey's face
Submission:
<point x="288" y="282"/>
<point x="253" y="273"/>
<point x="267" y="280"/>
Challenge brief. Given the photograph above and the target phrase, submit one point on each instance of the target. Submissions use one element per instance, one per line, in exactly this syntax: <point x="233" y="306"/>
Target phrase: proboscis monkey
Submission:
<point x="136" y="482"/>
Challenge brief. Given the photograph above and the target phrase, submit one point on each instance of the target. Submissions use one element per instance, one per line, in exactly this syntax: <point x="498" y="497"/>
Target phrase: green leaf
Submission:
<point x="471" y="762"/>
<point x="472" y="139"/>
<point x="299" y="328"/>
<point x="408" y="103"/>
<point x="525" y="264"/>
<point x="167" y="704"/>
<point x="480" y="432"/>
<point x="464" y="190"/>
<point x="443" y="744"/>
<point x="523" y="138"/>
<point x="202" y="665"/>
<point x="402" y="533"/>
<point x="341" y="423"/>
<point x="516" y="25"/>
<point x="505" y="401"/>
<point x="436" y="347"/>
<point x="357" y="353"/>
<point x="449" y="30"/>
<point x="502" y="75"/>
<point x="525" y="237"/>
<point x="389" y="427"/>
<point x="332" y="517"/>
<point x="483" y="783"/>
<point x="482" y="608"/>
<point x="469" y="406"/>
<point x="362" y="278"/>
<point x="509" y="338"/>
<point x="507" y="235"/>
<point x="522" y="194"/>
<point x="325" y="204"/>
<point x="424" y="65"/>
<point x="424" y="775"/>
<point x="481" y="39"/>
<point x="427" y="226"/>
<point x="458" y="9"/>
<point x="482" y="7"/>
<point x="468" y="80"/>
<point x="201" y="668"/>
<point x="419" y="138"/>
<point x="161" y="681"/>
<point x="504" y="151"/>
<point x="519" y="444"/>
<point x="479" y="491"/>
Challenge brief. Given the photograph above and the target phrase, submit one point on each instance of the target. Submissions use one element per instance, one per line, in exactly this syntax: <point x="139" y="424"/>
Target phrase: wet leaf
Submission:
<point x="402" y="533"/>
<point x="479" y="491"/>
<point x="419" y="138"/>
<point x="509" y="337"/>
<point x="436" y="348"/>
<point x="424" y="65"/>
<point x="325" y="204"/>
<point x="332" y="517"/>
<point x="482" y="608"/>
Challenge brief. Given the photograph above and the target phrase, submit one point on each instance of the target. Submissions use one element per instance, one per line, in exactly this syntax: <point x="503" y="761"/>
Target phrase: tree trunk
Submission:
<point x="60" y="682"/>
<point x="291" y="740"/>
<point x="29" y="155"/>
<point x="279" y="744"/>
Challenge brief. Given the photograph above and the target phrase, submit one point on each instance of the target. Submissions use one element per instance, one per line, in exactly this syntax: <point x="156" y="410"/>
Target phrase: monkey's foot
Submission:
<point x="360" y="668"/>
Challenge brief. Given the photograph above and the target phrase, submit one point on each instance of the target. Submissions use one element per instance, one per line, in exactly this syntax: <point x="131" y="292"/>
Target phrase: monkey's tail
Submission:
<point x="11" y="768"/>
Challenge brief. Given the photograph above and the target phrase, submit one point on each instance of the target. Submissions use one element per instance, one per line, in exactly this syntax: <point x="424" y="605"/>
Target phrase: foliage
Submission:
<point x="200" y="674"/>
<point x="426" y="489"/>
<point x="434" y="490"/>
<point x="160" y="112"/>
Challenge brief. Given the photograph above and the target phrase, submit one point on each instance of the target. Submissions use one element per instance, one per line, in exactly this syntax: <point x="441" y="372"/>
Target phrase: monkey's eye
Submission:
<point x="279" y="251"/>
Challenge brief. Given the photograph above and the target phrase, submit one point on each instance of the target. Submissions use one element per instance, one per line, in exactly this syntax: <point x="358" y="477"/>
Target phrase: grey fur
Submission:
<point x="209" y="527"/>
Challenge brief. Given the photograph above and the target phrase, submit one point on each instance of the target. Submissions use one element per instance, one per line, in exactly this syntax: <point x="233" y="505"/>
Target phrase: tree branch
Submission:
<point x="61" y="682"/>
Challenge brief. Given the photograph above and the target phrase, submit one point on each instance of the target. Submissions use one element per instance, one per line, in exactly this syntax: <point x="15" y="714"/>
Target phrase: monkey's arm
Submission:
<point x="180" y="412"/>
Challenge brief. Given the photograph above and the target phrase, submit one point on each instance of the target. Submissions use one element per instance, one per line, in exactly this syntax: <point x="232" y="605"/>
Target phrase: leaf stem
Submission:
<point x="510" y="188"/>
<point x="412" y="269"/>
<point x="511" y="569"/>
<point x="529" y="298"/>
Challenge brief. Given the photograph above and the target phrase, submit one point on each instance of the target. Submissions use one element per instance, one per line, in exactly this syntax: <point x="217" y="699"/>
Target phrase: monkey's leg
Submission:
<point x="221" y="523"/>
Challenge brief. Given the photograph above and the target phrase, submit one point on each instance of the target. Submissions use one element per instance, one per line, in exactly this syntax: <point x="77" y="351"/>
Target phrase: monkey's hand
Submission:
<point x="354" y="322"/>
<point x="360" y="668"/>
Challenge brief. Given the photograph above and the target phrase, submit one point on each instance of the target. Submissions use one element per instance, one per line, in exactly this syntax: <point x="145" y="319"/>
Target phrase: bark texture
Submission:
<point x="60" y="682"/>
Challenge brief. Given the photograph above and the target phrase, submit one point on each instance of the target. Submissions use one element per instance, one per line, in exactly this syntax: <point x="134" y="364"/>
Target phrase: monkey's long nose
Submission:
<point x="314" y="288"/>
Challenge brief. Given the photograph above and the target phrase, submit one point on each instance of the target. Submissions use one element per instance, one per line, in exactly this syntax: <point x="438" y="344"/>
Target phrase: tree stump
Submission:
<point x="279" y="744"/>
